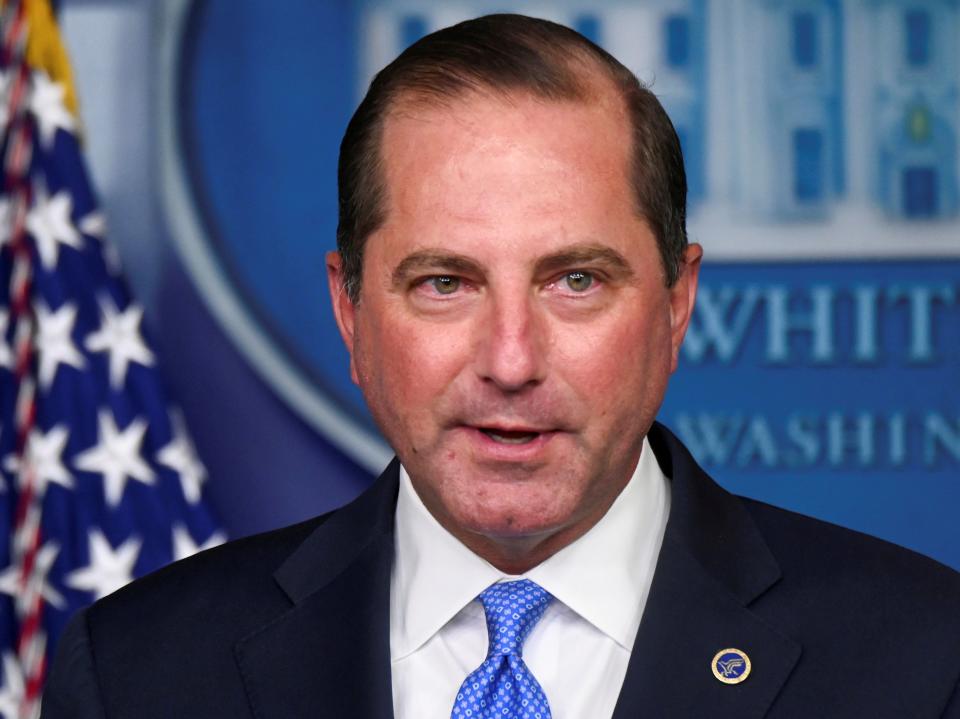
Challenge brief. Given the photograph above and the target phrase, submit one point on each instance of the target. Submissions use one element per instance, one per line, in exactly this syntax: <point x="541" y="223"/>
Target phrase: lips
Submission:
<point x="509" y="443"/>
<point x="505" y="436"/>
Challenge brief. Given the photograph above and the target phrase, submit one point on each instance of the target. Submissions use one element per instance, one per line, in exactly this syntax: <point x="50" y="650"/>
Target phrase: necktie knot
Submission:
<point x="503" y="687"/>
<point x="512" y="610"/>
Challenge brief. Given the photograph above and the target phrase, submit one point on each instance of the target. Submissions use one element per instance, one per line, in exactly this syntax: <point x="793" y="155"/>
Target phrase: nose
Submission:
<point x="511" y="351"/>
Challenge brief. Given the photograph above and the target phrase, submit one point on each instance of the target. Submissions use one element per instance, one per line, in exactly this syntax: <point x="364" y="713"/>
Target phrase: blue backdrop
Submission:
<point x="822" y="368"/>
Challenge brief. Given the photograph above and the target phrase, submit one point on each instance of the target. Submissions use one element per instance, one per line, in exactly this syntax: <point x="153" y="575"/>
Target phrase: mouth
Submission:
<point x="505" y="436"/>
<point x="510" y="443"/>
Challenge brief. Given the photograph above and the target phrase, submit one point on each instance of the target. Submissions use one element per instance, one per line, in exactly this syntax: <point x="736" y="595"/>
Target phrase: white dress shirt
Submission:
<point x="580" y="648"/>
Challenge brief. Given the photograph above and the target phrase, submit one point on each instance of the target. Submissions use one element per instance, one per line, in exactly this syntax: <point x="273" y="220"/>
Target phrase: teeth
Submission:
<point x="512" y="438"/>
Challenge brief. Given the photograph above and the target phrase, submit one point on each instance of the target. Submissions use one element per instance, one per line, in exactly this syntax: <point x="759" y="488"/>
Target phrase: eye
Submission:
<point x="578" y="281"/>
<point x="444" y="284"/>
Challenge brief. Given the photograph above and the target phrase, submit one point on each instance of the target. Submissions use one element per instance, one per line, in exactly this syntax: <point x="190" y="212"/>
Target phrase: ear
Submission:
<point x="343" y="308"/>
<point x="683" y="296"/>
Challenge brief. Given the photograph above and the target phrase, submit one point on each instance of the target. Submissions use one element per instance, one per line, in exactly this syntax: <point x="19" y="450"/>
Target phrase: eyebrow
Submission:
<point x="439" y="261"/>
<point x="434" y="261"/>
<point x="583" y="255"/>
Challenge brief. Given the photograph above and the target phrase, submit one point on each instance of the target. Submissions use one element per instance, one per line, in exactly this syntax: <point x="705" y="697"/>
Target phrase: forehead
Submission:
<point x="491" y="117"/>
<point x="479" y="152"/>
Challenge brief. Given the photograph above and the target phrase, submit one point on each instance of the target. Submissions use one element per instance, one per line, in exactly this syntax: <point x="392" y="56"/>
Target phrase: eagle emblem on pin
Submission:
<point x="731" y="666"/>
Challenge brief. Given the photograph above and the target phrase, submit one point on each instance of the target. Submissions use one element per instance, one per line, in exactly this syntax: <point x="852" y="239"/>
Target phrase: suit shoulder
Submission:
<point x="217" y="581"/>
<point x="825" y="553"/>
<point x="858" y="602"/>
<point x="181" y="623"/>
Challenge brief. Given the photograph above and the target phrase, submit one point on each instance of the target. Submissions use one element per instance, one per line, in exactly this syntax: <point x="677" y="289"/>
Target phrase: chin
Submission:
<point x="500" y="502"/>
<point x="514" y="520"/>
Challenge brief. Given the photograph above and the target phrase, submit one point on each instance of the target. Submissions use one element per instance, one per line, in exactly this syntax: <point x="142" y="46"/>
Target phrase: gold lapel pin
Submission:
<point x="731" y="666"/>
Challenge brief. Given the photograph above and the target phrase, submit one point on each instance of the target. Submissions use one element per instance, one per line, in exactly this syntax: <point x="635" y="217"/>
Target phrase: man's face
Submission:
<point x="514" y="334"/>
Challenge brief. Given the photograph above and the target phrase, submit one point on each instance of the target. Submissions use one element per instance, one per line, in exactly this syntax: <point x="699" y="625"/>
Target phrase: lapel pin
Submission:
<point x="731" y="666"/>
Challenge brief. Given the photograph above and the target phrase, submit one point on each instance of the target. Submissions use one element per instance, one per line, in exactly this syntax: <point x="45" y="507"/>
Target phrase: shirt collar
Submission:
<point x="604" y="576"/>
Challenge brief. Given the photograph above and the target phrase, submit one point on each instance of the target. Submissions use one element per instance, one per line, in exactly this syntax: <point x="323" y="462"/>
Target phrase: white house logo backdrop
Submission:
<point x="822" y="367"/>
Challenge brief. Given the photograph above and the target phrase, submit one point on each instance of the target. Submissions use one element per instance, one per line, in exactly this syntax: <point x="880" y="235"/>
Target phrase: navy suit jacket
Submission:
<point x="295" y="623"/>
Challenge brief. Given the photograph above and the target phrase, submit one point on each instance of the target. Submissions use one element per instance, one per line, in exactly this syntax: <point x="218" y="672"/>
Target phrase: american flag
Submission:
<point x="99" y="482"/>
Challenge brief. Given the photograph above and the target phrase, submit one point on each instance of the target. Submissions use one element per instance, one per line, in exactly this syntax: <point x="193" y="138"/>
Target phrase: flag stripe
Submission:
<point x="96" y="465"/>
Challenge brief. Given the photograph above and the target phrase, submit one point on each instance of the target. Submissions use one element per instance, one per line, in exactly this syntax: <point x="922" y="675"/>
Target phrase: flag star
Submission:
<point x="46" y="103"/>
<point x="109" y="568"/>
<point x="6" y="218"/>
<point x="111" y="258"/>
<point x="43" y="458"/>
<point x="6" y="356"/>
<point x="116" y="456"/>
<point x="6" y="83"/>
<point x="8" y="466"/>
<point x="120" y="336"/>
<point x="12" y="689"/>
<point x="184" y="546"/>
<point x="181" y="456"/>
<point x="93" y="224"/>
<point x="24" y="592"/>
<point x="49" y="223"/>
<point x="54" y="343"/>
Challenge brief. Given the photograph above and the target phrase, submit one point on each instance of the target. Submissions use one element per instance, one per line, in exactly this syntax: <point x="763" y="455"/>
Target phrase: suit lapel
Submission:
<point x="713" y="565"/>
<point x="329" y="653"/>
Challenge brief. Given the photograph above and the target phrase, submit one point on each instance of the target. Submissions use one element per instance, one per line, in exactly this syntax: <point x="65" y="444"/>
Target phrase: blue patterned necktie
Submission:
<point x="502" y="686"/>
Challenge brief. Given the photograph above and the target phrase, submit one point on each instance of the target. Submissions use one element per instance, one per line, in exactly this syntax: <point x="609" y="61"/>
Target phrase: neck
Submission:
<point x="517" y="554"/>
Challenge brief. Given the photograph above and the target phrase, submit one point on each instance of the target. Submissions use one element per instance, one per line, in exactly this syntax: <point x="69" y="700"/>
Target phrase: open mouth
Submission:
<point x="507" y="437"/>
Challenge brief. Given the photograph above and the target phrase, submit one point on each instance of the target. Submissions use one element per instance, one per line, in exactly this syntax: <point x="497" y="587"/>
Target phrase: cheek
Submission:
<point x="405" y="365"/>
<point x="618" y="367"/>
<point x="607" y="354"/>
<point x="427" y="357"/>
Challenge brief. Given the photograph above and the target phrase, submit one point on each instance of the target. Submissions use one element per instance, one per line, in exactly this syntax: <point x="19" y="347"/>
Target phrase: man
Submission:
<point x="513" y="282"/>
